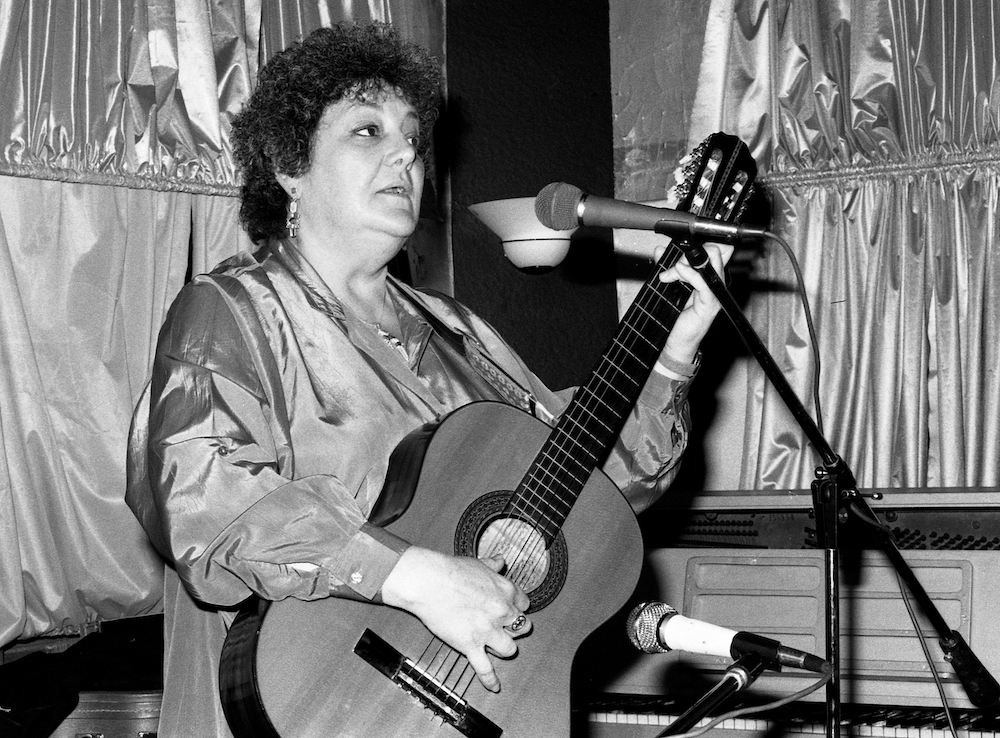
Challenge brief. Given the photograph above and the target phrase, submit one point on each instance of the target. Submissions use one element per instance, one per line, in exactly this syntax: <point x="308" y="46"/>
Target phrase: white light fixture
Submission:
<point x="526" y="242"/>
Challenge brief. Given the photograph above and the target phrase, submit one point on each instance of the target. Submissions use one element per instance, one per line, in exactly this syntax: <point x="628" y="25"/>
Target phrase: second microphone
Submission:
<point x="655" y="627"/>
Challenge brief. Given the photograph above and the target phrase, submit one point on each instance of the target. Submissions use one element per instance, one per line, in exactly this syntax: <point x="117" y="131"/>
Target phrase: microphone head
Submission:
<point x="555" y="206"/>
<point x="643" y="626"/>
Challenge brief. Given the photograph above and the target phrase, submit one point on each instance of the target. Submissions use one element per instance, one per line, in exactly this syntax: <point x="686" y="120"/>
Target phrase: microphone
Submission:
<point x="655" y="627"/>
<point x="562" y="206"/>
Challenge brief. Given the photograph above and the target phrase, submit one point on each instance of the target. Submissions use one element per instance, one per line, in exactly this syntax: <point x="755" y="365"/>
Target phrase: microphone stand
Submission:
<point x="835" y="500"/>
<point x="740" y="675"/>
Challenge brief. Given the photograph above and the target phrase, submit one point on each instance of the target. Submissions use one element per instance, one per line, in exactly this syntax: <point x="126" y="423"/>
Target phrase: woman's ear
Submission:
<point x="287" y="182"/>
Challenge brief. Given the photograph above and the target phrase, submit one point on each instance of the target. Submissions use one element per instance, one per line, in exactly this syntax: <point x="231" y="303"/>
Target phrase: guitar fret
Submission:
<point x="551" y="465"/>
<point x="542" y="514"/>
<point x="649" y="329"/>
<point x="607" y="383"/>
<point x="603" y="378"/>
<point x="641" y="335"/>
<point x="547" y="524"/>
<point x="629" y="354"/>
<point x="555" y="478"/>
<point x="632" y="349"/>
<point x="543" y="497"/>
<point x="580" y="426"/>
<point x="615" y="363"/>
<point x="665" y="298"/>
<point x="610" y="405"/>
<point x="556" y="472"/>
<point x="563" y="462"/>
<point x="547" y="481"/>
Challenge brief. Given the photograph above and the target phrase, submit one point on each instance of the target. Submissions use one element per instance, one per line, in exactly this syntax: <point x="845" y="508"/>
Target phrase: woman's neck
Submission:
<point x="359" y="283"/>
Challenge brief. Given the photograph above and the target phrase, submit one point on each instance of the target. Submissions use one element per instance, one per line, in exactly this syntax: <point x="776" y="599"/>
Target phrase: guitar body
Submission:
<point x="312" y="683"/>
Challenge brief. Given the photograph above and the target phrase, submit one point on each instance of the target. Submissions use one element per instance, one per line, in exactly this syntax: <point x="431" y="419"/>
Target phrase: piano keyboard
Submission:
<point x="638" y="717"/>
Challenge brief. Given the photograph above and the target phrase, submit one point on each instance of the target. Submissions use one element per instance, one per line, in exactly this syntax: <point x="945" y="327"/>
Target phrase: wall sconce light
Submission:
<point x="526" y="242"/>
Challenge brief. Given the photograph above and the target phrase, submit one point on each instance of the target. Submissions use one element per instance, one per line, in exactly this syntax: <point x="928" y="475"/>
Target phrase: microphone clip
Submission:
<point x="746" y="645"/>
<point x="745" y="670"/>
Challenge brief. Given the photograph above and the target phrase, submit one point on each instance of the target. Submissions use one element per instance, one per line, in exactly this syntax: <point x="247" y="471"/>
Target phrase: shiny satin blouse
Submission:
<point x="262" y="440"/>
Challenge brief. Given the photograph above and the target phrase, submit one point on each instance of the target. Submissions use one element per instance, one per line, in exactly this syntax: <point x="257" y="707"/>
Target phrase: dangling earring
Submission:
<point x="292" y="221"/>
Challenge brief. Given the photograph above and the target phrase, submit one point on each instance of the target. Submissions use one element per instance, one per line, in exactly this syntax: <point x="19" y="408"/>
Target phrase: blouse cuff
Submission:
<point x="677" y="369"/>
<point x="368" y="558"/>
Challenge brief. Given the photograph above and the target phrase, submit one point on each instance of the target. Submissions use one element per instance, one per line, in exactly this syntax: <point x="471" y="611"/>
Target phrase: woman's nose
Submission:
<point x="404" y="151"/>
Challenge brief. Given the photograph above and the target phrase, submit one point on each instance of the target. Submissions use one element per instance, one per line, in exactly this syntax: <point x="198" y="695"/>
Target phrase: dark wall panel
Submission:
<point x="530" y="103"/>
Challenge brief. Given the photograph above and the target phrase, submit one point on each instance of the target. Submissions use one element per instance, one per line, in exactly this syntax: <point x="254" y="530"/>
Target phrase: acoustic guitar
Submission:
<point x="488" y="478"/>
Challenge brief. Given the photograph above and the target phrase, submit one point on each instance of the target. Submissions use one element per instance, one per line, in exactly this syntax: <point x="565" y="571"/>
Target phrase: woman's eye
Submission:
<point x="370" y="130"/>
<point x="414" y="140"/>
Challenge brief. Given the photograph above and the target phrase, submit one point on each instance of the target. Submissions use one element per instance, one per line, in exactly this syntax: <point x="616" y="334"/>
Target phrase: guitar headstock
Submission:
<point x="716" y="179"/>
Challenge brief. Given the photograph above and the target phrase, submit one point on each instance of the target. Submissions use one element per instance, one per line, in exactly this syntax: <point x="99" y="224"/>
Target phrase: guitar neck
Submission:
<point x="588" y="429"/>
<point x="716" y="182"/>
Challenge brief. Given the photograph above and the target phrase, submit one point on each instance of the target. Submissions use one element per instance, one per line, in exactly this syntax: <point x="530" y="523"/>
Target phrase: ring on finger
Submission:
<point x="518" y="623"/>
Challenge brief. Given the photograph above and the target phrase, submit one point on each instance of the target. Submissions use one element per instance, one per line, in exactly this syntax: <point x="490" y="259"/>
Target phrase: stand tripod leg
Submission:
<point x="738" y="677"/>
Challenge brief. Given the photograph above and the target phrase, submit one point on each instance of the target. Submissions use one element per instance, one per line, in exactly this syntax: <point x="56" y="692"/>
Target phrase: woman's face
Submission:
<point x="365" y="177"/>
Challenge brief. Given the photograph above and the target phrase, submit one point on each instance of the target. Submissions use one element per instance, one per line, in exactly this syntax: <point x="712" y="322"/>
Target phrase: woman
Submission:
<point x="283" y="380"/>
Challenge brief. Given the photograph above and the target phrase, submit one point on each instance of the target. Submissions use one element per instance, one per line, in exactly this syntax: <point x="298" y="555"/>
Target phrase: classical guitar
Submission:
<point x="488" y="478"/>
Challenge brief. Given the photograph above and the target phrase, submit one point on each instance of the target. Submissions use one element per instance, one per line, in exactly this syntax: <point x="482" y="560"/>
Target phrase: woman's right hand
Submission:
<point x="463" y="601"/>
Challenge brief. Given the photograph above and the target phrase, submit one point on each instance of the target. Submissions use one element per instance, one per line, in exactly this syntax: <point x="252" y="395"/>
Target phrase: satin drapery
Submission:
<point x="142" y="94"/>
<point x="116" y="183"/>
<point x="875" y="127"/>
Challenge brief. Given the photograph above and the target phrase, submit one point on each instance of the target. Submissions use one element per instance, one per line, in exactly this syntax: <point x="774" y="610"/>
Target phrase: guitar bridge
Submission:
<point x="436" y="697"/>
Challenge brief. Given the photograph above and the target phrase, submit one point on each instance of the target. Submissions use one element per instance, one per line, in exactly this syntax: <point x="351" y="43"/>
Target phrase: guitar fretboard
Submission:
<point x="716" y="182"/>
<point x="588" y="428"/>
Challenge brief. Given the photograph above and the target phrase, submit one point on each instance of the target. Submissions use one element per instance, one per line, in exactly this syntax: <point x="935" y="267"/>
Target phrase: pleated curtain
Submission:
<point x="874" y="124"/>
<point x="116" y="184"/>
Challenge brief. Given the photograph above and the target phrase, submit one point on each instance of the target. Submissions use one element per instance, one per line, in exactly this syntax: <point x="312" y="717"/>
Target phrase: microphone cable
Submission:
<point x="938" y="685"/>
<point x="809" y="324"/>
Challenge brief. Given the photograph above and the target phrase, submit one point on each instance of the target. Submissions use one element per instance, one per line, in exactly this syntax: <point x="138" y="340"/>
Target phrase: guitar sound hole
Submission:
<point x="484" y="530"/>
<point x="522" y="547"/>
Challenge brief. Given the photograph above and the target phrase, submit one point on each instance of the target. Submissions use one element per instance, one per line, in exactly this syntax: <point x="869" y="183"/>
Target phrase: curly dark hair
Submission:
<point x="274" y="130"/>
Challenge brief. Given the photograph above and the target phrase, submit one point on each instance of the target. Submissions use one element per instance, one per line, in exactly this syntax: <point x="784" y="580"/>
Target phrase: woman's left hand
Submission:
<point x="696" y="318"/>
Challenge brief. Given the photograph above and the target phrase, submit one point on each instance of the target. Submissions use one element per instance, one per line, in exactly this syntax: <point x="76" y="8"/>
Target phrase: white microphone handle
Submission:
<point x="694" y="636"/>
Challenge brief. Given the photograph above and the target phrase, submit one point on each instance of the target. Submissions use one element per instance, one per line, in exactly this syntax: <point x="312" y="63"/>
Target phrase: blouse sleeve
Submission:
<point x="215" y="493"/>
<point x="646" y="458"/>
